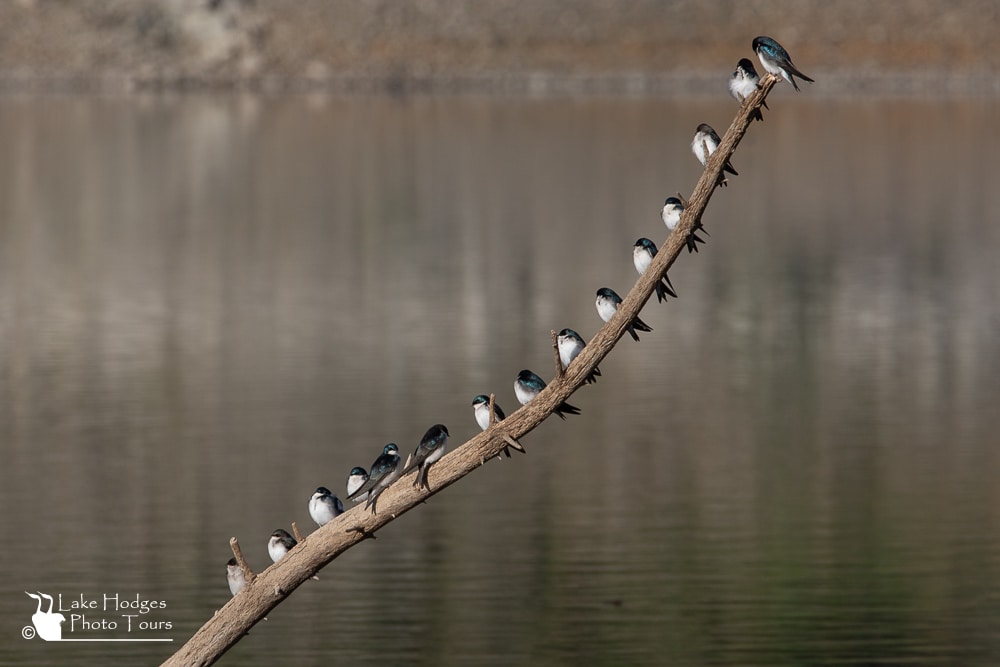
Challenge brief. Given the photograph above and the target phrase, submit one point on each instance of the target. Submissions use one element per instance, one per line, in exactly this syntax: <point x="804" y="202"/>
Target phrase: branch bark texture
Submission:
<point x="267" y="590"/>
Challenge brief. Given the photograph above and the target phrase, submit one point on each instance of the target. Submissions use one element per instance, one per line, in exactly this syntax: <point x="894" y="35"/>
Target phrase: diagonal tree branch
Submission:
<point x="265" y="591"/>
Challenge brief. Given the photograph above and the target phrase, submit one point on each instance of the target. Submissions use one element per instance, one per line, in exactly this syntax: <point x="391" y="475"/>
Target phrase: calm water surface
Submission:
<point x="209" y="306"/>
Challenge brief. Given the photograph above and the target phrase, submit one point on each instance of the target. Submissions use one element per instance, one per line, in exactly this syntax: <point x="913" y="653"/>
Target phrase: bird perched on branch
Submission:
<point x="355" y="480"/>
<point x="671" y="215"/>
<point x="608" y="302"/>
<point x="385" y="470"/>
<point x="428" y="452"/>
<point x="280" y="544"/>
<point x="643" y="253"/>
<point x="743" y="84"/>
<point x="234" y="573"/>
<point x="324" y="507"/>
<point x="481" y="407"/>
<point x="528" y="385"/>
<point x="776" y="60"/>
<point x="571" y="344"/>
<point x="706" y="138"/>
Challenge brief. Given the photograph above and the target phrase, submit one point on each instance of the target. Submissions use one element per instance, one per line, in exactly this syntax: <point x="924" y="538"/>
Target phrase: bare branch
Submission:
<point x="269" y="588"/>
<point x="248" y="574"/>
<point x="555" y="350"/>
<point x="513" y="443"/>
<point x="493" y="412"/>
<point x="493" y="420"/>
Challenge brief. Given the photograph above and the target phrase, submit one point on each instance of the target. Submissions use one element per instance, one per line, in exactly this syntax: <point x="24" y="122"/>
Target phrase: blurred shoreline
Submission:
<point x="544" y="47"/>
<point x="533" y="83"/>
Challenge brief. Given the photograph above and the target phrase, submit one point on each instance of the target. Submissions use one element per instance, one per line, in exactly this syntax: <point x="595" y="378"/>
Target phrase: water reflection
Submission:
<point x="210" y="306"/>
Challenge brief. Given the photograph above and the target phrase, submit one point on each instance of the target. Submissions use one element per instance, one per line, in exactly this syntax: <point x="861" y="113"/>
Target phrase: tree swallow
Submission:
<point x="280" y="544"/>
<point x="481" y="406"/>
<point x="607" y="305"/>
<point x="671" y="215"/>
<point x="356" y="488"/>
<point x="528" y="385"/>
<point x="571" y="344"/>
<point x="776" y="60"/>
<point x="234" y="573"/>
<point x="642" y="256"/>
<point x="324" y="507"/>
<point x="355" y="480"/>
<point x="430" y="449"/>
<point x="743" y="84"/>
<point x="706" y="136"/>
<point x="385" y="470"/>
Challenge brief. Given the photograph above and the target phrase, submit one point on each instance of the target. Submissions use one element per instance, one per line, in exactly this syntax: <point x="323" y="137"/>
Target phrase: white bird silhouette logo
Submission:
<point x="47" y="624"/>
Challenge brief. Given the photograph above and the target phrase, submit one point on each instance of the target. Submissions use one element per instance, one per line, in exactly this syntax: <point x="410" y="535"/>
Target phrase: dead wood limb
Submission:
<point x="493" y="409"/>
<point x="555" y="349"/>
<point x="248" y="574"/>
<point x="266" y="591"/>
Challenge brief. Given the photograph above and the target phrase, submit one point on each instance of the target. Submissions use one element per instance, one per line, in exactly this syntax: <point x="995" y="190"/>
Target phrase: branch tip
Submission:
<point x="514" y="443"/>
<point x="555" y="349"/>
<point x="248" y="574"/>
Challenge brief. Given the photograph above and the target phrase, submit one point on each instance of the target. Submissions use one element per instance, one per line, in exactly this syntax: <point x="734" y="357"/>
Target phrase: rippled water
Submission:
<point x="211" y="305"/>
